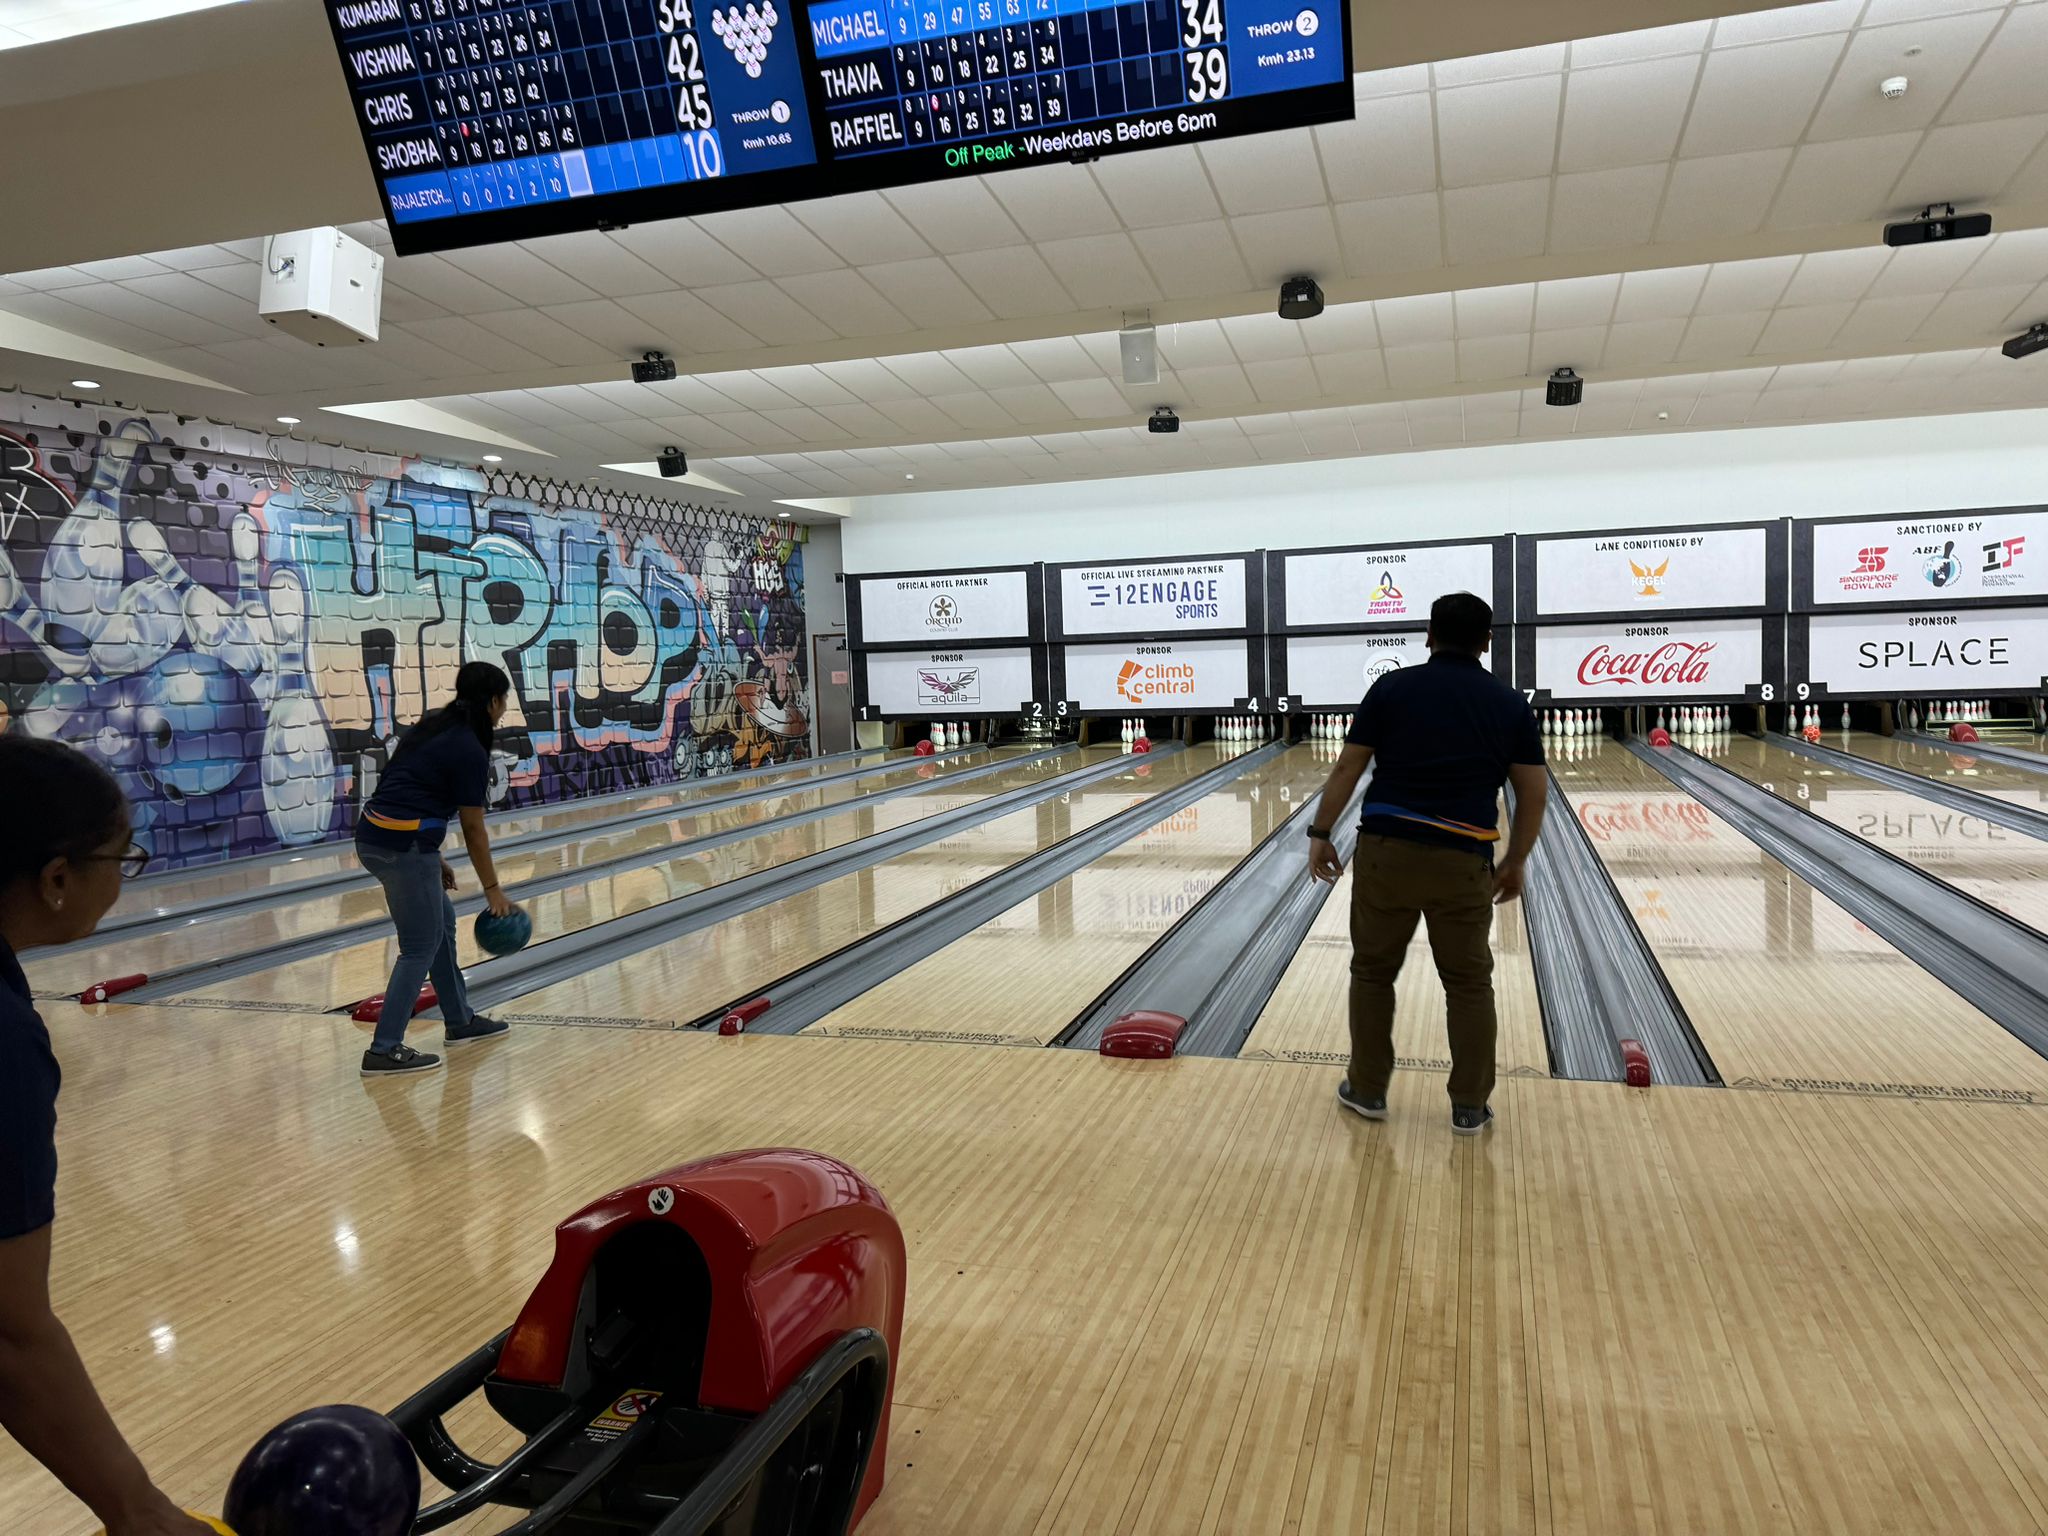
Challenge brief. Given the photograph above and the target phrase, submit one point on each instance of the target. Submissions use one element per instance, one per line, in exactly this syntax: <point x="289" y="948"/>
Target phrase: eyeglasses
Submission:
<point x="132" y="863"/>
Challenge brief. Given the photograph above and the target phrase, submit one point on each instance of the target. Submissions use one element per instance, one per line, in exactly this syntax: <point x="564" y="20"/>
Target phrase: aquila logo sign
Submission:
<point x="959" y="690"/>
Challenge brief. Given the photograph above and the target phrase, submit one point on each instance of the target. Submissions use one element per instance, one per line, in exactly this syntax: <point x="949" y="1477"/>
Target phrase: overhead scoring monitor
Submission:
<point x="491" y="120"/>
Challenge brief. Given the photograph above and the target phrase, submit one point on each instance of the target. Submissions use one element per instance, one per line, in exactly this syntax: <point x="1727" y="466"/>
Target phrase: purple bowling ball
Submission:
<point x="335" y="1471"/>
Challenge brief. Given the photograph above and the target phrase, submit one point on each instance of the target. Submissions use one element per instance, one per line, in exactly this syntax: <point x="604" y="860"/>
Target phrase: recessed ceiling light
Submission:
<point x="782" y="516"/>
<point x="494" y="458"/>
<point x="908" y="475"/>
<point x="288" y="421"/>
<point x="85" y="383"/>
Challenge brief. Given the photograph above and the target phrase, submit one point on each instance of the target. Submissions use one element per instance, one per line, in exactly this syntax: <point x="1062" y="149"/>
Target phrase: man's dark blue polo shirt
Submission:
<point x="1442" y="736"/>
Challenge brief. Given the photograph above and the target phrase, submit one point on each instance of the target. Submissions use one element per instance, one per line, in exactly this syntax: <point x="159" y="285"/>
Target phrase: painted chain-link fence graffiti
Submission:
<point x="239" y="628"/>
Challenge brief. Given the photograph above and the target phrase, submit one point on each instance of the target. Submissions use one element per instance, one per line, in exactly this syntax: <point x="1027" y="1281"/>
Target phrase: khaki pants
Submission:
<point x="1393" y="883"/>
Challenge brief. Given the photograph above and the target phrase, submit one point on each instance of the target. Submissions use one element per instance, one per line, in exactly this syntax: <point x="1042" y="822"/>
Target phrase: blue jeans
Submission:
<point x="425" y="918"/>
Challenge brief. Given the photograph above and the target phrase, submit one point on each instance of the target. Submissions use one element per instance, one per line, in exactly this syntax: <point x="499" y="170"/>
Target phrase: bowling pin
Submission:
<point x="1845" y="717"/>
<point x="298" y="752"/>
<point x="1124" y="731"/>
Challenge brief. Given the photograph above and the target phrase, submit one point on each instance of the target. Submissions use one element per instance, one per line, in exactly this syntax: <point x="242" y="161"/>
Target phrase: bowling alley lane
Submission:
<point x="1782" y="986"/>
<point x="2000" y="867"/>
<point x="247" y="932"/>
<point x="334" y="980"/>
<point x="691" y="975"/>
<point x="1954" y="765"/>
<point x="1024" y="975"/>
<point x="1307" y="1017"/>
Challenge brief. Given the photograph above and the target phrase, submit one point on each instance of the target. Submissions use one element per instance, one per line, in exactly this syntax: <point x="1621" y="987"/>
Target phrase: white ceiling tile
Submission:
<point x="1498" y="132"/>
<point x="1425" y="367"/>
<point x="770" y="240"/>
<point x="1853" y="107"/>
<point x="1200" y="343"/>
<point x="929" y="373"/>
<point x="1648" y="43"/>
<point x="920" y="418"/>
<point x="803" y="425"/>
<point x="1351" y="373"/>
<point x="1969" y="164"/>
<point x="862" y="228"/>
<point x="542" y="334"/>
<point x="1576" y="301"/>
<point x="448" y="287"/>
<point x="1343" y="328"/>
<point x="680" y="249"/>
<point x="1666" y="293"/>
<point x="602" y="265"/>
<point x="672" y="322"/>
<point x="464" y="339"/>
<point x="1924" y="269"/>
<point x="1626" y="114"/>
<point x="847" y="302"/>
<point x="1057" y="358"/>
<point x="1885" y="12"/>
<point x="192" y="258"/>
<point x="977" y="412"/>
<point x="2031" y="185"/>
<point x="1387" y="150"/>
<point x="1806" y="328"/>
<point x="1055" y="202"/>
<point x="1849" y="182"/>
<point x="1412" y="319"/>
<point x="929" y="290"/>
<point x="120" y="268"/>
<point x="991" y="367"/>
<point x="1278" y="246"/>
<point x="1639" y="343"/>
<point x="2006" y="80"/>
<point x="1192" y="259"/>
<point x="1973" y="313"/>
<point x="1029" y="402"/>
<point x="1493" y="357"/>
<point x="1546" y="59"/>
<point x="1214" y="389"/>
<point x="1160" y="186"/>
<point x="1606" y="210"/>
<point x="956" y="216"/>
<point x="1721" y="195"/>
<point x="1282" y="379"/>
<point x="865" y="378"/>
<point x="1100" y="271"/>
<point x="1391" y="234"/>
<point x="1884" y="322"/>
<point x="1760" y="97"/>
<point x="1494" y="311"/>
<point x="1827" y="277"/>
<point x="1264" y="172"/>
<point x="747" y="388"/>
<point x="1497" y="223"/>
<point x="805" y="384"/>
<point x="858" y="420"/>
<point x="1264" y="337"/>
<point x="1735" y="380"/>
<point x="1735" y="286"/>
<point x="1014" y="282"/>
<point x="1580" y="347"/>
<point x="1719" y="337"/>
<point x="765" y="311"/>
<point x="128" y="305"/>
<point x="182" y="290"/>
<point x="54" y="279"/>
<point x="2017" y="256"/>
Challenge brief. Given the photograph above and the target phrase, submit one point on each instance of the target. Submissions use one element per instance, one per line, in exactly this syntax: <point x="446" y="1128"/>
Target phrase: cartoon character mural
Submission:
<point x="241" y="628"/>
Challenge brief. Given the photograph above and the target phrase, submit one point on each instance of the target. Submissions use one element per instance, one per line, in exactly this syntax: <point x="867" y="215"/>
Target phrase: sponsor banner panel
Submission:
<point x="1157" y="598"/>
<point x="1623" y="663"/>
<point x="1994" y="555"/>
<point x="1336" y="671"/>
<point x="1393" y="585"/>
<point x="1675" y="569"/>
<point x="1974" y="650"/>
<point x="1158" y="677"/>
<point x="939" y="607"/>
<point x="941" y="683"/>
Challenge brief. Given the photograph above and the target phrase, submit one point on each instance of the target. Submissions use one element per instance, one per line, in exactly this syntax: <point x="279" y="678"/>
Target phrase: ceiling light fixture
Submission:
<point x="85" y="383"/>
<point x="494" y="458"/>
<point x="287" y="421"/>
<point x="908" y="475"/>
<point x="1564" y="388"/>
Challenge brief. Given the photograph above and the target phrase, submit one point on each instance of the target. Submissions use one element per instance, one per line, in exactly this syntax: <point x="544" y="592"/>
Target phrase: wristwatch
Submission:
<point x="1319" y="834"/>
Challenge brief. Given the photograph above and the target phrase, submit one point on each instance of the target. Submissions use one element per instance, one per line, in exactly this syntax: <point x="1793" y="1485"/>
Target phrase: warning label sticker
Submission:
<point x="629" y="1410"/>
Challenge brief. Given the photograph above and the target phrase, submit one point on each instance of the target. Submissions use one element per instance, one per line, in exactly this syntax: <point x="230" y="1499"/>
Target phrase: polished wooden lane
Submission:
<point x="1307" y="1017"/>
<point x="2006" y="869"/>
<point x="1023" y="976"/>
<point x="1952" y="765"/>
<point x="737" y="959"/>
<point x="335" y="979"/>
<point x="1175" y="1298"/>
<point x="246" y="932"/>
<point x="1781" y="984"/>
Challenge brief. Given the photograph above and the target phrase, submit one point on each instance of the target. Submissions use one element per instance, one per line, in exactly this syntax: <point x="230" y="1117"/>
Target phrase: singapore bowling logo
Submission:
<point x="747" y="33"/>
<point x="962" y="687"/>
<point x="1649" y="579"/>
<point x="1942" y="568"/>
<point x="1871" y="573"/>
<point x="943" y="613"/>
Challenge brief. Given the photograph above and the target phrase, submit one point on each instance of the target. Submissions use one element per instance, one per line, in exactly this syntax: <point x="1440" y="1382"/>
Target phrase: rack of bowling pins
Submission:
<point x="951" y="733"/>
<point x="1938" y="712"/>
<point x="1570" y="722"/>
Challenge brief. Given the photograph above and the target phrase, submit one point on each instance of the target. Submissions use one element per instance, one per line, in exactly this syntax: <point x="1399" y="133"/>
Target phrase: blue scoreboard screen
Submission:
<point x="493" y="120"/>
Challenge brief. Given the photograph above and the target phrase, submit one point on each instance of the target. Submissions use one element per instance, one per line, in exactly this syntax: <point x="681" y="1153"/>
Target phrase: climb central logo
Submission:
<point x="1143" y="682"/>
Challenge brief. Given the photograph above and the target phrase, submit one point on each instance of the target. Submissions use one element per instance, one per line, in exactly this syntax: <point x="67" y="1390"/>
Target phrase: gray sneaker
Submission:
<point x="1470" y="1120"/>
<point x="478" y="1028"/>
<point x="1372" y="1109"/>
<point x="397" y="1061"/>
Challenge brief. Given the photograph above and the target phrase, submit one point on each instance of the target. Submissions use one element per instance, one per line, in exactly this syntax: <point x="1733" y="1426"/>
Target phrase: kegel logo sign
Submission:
<point x="1145" y="682"/>
<point x="1649" y="579"/>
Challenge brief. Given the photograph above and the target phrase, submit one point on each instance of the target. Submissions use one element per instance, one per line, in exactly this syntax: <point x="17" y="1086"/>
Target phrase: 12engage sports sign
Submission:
<point x="1166" y="597"/>
<point x="1996" y="555"/>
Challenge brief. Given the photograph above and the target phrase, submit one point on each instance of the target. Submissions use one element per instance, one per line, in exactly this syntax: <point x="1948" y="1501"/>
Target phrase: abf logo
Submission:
<point x="1649" y="579"/>
<point x="1941" y="567"/>
<point x="1871" y="559"/>
<point x="1142" y="684"/>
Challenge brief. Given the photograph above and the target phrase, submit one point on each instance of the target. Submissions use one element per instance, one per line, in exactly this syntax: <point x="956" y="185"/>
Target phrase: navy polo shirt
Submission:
<point x="29" y="1078"/>
<point x="1443" y="736"/>
<point x="422" y="790"/>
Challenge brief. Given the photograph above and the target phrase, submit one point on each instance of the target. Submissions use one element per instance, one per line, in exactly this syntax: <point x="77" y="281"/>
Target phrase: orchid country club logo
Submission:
<point x="943" y="613"/>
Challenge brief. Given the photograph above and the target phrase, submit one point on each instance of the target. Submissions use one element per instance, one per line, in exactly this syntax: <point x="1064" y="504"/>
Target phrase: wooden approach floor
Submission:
<point x="1179" y="1298"/>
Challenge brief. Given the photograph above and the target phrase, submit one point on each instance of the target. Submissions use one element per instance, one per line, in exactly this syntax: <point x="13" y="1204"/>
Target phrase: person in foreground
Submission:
<point x="442" y="769"/>
<point x="63" y="851"/>
<point x="1441" y="739"/>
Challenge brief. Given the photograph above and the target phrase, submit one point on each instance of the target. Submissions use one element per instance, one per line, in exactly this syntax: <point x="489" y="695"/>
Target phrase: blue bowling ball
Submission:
<point x="502" y="935"/>
<point x="336" y="1471"/>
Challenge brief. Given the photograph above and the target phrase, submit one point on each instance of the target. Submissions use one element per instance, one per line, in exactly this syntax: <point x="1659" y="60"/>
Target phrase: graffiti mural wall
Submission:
<point x="239" y="627"/>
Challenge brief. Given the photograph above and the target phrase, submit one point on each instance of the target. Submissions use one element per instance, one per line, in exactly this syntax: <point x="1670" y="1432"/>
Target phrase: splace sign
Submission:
<point x="492" y="120"/>
<point x="1928" y="561"/>
<point x="1391" y="585"/>
<point x="1158" y="598"/>
<point x="1627" y="663"/>
<point x="940" y="606"/>
<point x="913" y="683"/>
<point x="1333" y="671"/>
<point x="1674" y="569"/>
<point x="1977" y="650"/>
<point x="1158" y="677"/>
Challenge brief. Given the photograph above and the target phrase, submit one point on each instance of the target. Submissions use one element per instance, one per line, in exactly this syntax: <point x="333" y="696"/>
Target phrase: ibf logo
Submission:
<point x="2004" y="555"/>
<point x="1871" y="559"/>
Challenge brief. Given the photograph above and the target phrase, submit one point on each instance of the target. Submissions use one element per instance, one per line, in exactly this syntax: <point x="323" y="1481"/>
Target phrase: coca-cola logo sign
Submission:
<point x="1669" y="664"/>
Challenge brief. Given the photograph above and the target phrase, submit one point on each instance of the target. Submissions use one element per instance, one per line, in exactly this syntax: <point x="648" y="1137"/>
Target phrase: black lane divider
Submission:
<point x="1992" y="960"/>
<point x="809" y="993"/>
<point x="185" y="977"/>
<point x="1969" y="802"/>
<point x="1219" y="963"/>
<point x="2015" y="757"/>
<point x="185" y="914"/>
<point x="1598" y="982"/>
<point x="543" y="965"/>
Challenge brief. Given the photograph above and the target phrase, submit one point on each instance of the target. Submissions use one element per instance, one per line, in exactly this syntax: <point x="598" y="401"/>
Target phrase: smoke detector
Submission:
<point x="1893" y="89"/>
